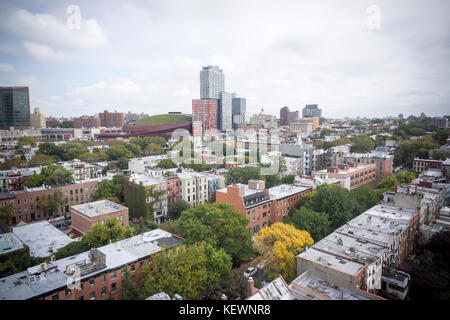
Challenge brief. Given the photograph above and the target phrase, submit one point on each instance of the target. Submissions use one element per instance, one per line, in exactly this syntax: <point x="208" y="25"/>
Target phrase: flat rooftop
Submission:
<point x="309" y="284"/>
<point x="285" y="190"/>
<point x="118" y="254"/>
<point x="9" y="242"/>
<point x="42" y="238"/>
<point x="331" y="261"/>
<point x="99" y="208"/>
<point x="350" y="169"/>
<point x="351" y="248"/>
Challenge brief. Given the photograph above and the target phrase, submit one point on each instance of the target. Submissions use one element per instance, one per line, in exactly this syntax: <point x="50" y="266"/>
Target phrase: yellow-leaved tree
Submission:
<point x="278" y="244"/>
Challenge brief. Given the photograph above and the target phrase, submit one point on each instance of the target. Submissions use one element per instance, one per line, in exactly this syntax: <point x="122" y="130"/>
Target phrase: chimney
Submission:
<point x="53" y="258"/>
<point x="395" y="186"/>
<point x="250" y="284"/>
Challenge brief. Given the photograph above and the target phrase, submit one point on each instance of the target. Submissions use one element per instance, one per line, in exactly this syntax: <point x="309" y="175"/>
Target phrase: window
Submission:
<point x="104" y="291"/>
<point x="133" y="268"/>
<point x="92" y="295"/>
<point x="113" y="287"/>
<point x="81" y="287"/>
<point x="92" y="283"/>
<point x="103" y="278"/>
<point x="113" y="275"/>
<point x="68" y="292"/>
<point x="55" y="296"/>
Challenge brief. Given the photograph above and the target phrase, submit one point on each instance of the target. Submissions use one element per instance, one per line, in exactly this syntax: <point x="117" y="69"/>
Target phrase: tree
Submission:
<point x="279" y="244"/>
<point x="189" y="270"/>
<point x="72" y="150"/>
<point x="242" y="175"/>
<point x="439" y="155"/>
<point x="177" y="208"/>
<point x="71" y="249"/>
<point x="166" y="164"/>
<point x="220" y="225"/>
<point x="52" y="203"/>
<point x="316" y="223"/>
<point x="288" y="179"/>
<point x="153" y="149"/>
<point x="40" y="159"/>
<point x="115" y="153"/>
<point x="50" y="149"/>
<point x="129" y="288"/>
<point x="6" y="213"/>
<point x="101" y="234"/>
<point x="336" y="201"/>
<point x="362" y="143"/>
<point x="24" y="141"/>
<point x="58" y="200"/>
<point x="110" y="188"/>
<point x="49" y="175"/>
<point x="365" y="198"/>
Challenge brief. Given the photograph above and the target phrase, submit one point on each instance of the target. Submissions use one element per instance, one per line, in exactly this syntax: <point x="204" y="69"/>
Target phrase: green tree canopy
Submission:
<point x="242" y="175"/>
<point x="220" y="225"/>
<point x="316" y="223"/>
<point x="188" y="270"/>
<point x="177" y="208"/>
<point x="336" y="201"/>
<point x="362" y="143"/>
<point x="101" y="234"/>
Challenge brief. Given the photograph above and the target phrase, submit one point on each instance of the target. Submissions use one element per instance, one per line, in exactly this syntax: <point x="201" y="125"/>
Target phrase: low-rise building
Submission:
<point x="420" y="165"/>
<point x="101" y="271"/>
<point x="355" y="174"/>
<point x="42" y="238"/>
<point x="259" y="204"/>
<point x="85" y="216"/>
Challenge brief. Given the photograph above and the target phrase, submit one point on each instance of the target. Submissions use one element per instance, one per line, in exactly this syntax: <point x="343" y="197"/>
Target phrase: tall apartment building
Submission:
<point x="212" y="82"/>
<point x="287" y="116"/>
<point x="239" y="106"/>
<point x="15" y="107"/>
<point x="204" y="116"/>
<point x="111" y="119"/>
<point x="87" y="122"/>
<point x="311" y="110"/>
<point x="37" y="119"/>
<point x="225" y="111"/>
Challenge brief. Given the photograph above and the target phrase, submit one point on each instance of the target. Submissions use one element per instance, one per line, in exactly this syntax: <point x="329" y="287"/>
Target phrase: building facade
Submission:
<point x="111" y="119"/>
<point x="212" y="82"/>
<point x="37" y="119"/>
<point x="311" y="110"/>
<point x="225" y="111"/>
<point x="14" y="107"/>
<point x="86" y="122"/>
<point x="204" y="116"/>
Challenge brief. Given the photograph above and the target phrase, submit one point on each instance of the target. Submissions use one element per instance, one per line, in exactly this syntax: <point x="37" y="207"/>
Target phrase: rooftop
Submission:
<point x="98" y="208"/>
<point x="285" y="190"/>
<point x="331" y="261"/>
<point x="53" y="276"/>
<point x="42" y="238"/>
<point x="9" y="242"/>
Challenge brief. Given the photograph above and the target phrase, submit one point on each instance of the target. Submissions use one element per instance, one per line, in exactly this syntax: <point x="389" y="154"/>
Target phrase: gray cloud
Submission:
<point x="146" y="55"/>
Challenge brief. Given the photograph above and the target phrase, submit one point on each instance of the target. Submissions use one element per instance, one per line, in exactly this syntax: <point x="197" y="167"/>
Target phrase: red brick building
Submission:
<point x="173" y="184"/>
<point x="86" y="122"/>
<point x="421" y="165"/>
<point x="111" y="119"/>
<point x="85" y="216"/>
<point x="101" y="271"/>
<point x="262" y="206"/>
<point x="25" y="201"/>
<point x="204" y="116"/>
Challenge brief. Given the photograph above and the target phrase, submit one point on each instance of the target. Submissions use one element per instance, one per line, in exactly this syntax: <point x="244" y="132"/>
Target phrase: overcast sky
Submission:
<point x="145" y="56"/>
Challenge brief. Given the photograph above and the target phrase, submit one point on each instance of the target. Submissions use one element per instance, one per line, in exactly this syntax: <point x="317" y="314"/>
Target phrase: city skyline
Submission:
<point x="146" y="56"/>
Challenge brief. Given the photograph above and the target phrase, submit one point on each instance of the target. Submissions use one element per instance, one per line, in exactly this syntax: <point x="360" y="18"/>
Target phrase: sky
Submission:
<point x="353" y="58"/>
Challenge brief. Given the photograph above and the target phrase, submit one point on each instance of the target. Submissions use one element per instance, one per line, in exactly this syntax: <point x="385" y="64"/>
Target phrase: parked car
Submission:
<point x="250" y="272"/>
